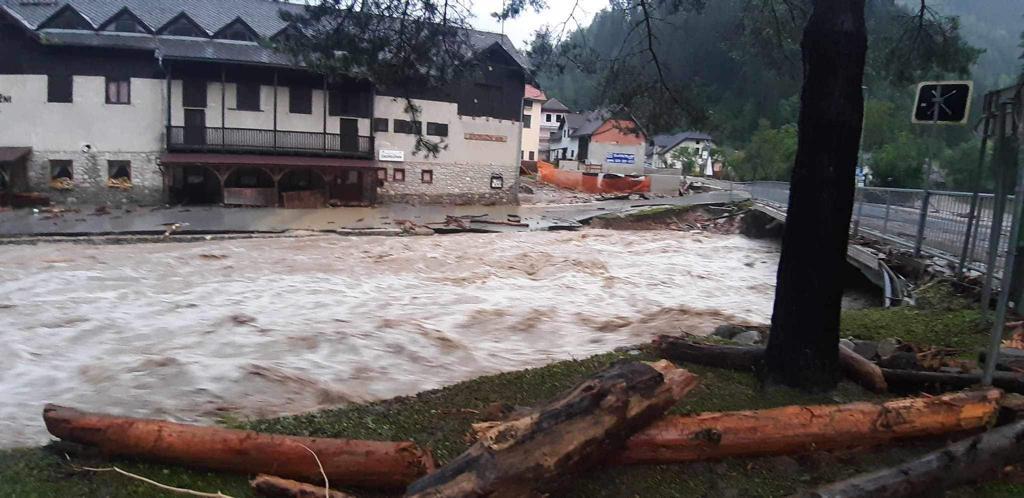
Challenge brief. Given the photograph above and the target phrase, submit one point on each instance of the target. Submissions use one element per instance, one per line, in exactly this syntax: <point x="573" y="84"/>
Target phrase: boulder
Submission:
<point x="728" y="331"/>
<point x="749" y="337"/>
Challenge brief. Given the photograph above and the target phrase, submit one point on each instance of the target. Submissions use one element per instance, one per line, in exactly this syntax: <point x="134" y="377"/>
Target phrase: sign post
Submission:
<point x="937" y="103"/>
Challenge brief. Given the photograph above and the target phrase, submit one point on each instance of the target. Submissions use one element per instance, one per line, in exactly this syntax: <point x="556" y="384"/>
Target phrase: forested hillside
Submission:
<point x="735" y="71"/>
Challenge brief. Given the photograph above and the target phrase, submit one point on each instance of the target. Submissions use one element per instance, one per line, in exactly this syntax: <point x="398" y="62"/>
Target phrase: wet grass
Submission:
<point x="441" y="419"/>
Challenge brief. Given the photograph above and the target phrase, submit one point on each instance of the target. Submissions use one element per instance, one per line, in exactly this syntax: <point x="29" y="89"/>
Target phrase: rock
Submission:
<point x="867" y="349"/>
<point x="785" y="465"/>
<point x="886" y="347"/>
<point x="848" y="344"/>
<point x="900" y="360"/>
<point x="728" y="331"/>
<point x="749" y="337"/>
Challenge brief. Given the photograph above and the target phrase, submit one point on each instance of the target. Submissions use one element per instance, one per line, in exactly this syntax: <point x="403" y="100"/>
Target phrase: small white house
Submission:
<point x="552" y="114"/>
<point x="664" y="150"/>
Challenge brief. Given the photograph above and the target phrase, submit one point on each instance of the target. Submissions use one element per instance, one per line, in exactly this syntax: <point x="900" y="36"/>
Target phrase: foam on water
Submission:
<point x="264" y="327"/>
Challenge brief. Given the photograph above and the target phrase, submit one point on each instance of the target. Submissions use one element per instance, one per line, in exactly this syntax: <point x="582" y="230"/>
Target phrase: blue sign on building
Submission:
<point x="620" y="158"/>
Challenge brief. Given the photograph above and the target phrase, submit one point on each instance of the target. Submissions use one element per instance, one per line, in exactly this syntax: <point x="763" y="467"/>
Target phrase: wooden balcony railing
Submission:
<point x="251" y="140"/>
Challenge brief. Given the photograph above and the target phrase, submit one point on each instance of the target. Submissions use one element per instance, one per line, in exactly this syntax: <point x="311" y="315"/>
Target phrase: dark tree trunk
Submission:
<point x="803" y="345"/>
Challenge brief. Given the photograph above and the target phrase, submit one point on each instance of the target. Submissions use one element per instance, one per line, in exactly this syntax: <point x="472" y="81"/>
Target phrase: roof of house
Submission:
<point x="534" y="93"/>
<point x="670" y="140"/>
<point x="554" y="105"/>
<point x="263" y="16"/>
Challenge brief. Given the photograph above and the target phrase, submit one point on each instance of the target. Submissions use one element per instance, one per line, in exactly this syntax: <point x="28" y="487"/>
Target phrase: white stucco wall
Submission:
<point x="597" y="153"/>
<point x="29" y="120"/>
<point x="60" y="131"/>
<point x="464" y="165"/>
<point x="531" y="135"/>
<point x="264" y="118"/>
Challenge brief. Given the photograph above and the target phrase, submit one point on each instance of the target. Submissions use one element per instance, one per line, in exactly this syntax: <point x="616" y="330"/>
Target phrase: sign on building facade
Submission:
<point x="620" y="158"/>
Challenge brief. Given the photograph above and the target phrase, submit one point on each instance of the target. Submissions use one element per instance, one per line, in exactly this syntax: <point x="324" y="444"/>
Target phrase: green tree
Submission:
<point x="688" y="158"/>
<point x="770" y="154"/>
<point x="960" y="164"/>
<point x="900" y="162"/>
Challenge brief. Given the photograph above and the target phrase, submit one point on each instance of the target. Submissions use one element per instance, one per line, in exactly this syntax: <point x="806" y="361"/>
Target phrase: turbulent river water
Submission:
<point x="264" y="327"/>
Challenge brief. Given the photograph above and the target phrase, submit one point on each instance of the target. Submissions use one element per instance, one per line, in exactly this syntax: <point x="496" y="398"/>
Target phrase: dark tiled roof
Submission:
<point x="554" y="105"/>
<point x="211" y="15"/>
<point x="589" y="122"/>
<point x="669" y="140"/>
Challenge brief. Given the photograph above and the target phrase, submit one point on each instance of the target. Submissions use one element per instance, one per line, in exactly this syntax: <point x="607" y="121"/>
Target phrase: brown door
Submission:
<point x="348" y="187"/>
<point x="195" y="127"/>
<point x="349" y="129"/>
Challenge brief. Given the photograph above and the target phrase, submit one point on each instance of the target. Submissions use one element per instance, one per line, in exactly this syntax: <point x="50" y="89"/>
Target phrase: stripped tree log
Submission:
<point x="862" y="370"/>
<point x="682" y="350"/>
<point x="934" y="382"/>
<point x="378" y="464"/>
<point x="679" y="349"/>
<point x="536" y="451"/>
<point x="796" y="429"/>
<point x="960" y="463"/>
<point x="277" y="487"/>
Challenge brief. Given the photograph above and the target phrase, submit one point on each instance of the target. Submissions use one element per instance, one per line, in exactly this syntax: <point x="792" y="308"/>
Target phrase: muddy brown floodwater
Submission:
<point x="265" y="327"/>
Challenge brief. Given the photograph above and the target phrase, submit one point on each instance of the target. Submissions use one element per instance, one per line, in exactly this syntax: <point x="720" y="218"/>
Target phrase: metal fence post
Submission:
<point x="888" y="203"/>
<point x="860" y="210"/>
<point x="922" y="221"/>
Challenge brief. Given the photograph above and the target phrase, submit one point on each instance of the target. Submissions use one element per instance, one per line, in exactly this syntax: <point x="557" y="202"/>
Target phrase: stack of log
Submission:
<point x="616" y="416"/>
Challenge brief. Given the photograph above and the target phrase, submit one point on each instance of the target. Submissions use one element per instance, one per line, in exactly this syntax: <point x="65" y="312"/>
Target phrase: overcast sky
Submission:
<point x="521" y="29"/>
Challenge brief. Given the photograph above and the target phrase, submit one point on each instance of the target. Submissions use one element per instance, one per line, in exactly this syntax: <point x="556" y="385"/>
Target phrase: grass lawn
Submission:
<point x="440" y="420"/>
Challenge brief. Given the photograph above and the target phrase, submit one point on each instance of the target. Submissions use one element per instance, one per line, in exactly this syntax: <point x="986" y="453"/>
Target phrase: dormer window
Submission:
<point x="125" y="22"/>
<point x="67" y="18"/>
<point x="182" y="25"/>
<point x="237" y="30"/>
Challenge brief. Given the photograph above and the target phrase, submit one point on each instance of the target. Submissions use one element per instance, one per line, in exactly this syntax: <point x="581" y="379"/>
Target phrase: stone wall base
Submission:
<point x="90" y="173"/>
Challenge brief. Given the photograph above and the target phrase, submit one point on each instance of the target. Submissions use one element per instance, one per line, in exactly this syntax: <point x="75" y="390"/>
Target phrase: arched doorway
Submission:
<point x="250" y="186"/>
<point x="197" y="185"/>
<point x="302" y="188"/>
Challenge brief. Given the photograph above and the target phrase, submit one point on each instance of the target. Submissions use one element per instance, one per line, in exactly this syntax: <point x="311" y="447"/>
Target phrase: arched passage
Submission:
<point x="197" y="185"/>
<point x="302" y="188"/>
<point x="249" y="177"/>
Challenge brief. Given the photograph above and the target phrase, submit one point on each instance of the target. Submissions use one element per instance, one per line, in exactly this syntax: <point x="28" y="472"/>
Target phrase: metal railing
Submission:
<point x="931" y="222"/>
<point x="210" y="139"/>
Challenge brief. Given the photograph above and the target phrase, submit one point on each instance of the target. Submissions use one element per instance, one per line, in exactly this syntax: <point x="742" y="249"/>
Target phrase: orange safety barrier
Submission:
<point x="594" y="183"/>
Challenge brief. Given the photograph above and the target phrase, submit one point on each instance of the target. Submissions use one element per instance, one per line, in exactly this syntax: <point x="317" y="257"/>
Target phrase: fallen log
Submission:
<point x="679" y="349"/>
<point x="277" y="487"/>
<point x="378" y="464"/>
<point x="862" y="370"/>
<point x="935" y="382"/>
<point x="682" y="350"/>
<point x="796" y="429"/>
<point x="519" y="457"/>
<point x="959" y="463"/>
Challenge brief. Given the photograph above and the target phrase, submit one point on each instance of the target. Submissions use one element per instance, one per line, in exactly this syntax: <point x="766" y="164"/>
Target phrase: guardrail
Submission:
<point x="937" y="223"/>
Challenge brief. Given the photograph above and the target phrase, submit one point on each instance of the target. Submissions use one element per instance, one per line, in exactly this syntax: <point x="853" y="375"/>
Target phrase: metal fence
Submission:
<point x="934" y="222"/>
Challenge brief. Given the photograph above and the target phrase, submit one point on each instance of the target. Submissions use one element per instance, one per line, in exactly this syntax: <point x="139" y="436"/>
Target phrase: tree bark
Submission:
<point x="802" y="347"/>
<point x="377" y="464"/>
<point x="862" y="370"/>
<point x="959" y="463"/>
<point x="678" y="349"/>
<point x="277" y="487"/>
<point x="522" y="456"/>
<point x="933" y="382"/>
<point x="681" y="350"/>
<point x="796" y="429"/>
